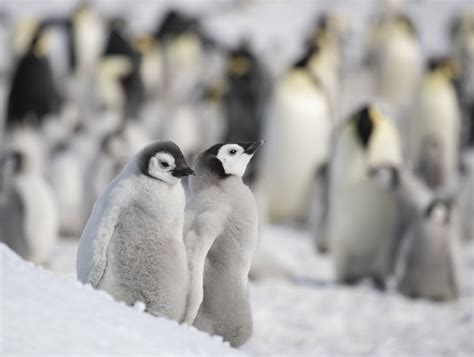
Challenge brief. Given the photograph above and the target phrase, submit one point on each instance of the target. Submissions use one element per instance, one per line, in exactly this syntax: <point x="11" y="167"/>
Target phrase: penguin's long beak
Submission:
<point x="250" y="148"/>
<point x="183" y="172"/>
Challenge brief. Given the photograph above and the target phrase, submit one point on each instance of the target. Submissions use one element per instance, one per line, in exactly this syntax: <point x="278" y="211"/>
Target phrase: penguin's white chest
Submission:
<point x="298" y="141"/>
<point x="41" y="216"/>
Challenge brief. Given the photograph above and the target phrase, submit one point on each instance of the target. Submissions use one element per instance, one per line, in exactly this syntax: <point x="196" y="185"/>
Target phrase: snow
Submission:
<point x="43" y="313"/>
<point x="305" y="314"/>
<point x="313" y="315"/>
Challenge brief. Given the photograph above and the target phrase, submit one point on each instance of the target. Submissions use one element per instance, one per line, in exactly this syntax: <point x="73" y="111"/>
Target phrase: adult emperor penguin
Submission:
<point x="220" y="238"/>
<point x="180" y="38"/>
<point x="298" y="130"/>
<point x="428" y="265"/>
<point x="398" y="64"/>
<point x="120" y="82"/>
<point x="28" y="214"/>
<point x="362" y="214"/>
<point x="433" y="140"/>
<point x="86" y="34"/>
<point x="132" y="245"/>
<point x="33" y="94"/>
<point x="245" y="99"/>
<point x="462" y="39"/>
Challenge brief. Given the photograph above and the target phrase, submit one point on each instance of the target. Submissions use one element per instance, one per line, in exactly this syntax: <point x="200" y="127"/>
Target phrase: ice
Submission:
<point x="44" y="313"/>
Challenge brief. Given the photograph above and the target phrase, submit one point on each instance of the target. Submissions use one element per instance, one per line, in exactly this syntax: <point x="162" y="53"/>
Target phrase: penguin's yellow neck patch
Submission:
<point x="376" y="116"/>
<point x="239" y="66"/>
<point x="144" y="43"/>
<point x="40" y="49"/>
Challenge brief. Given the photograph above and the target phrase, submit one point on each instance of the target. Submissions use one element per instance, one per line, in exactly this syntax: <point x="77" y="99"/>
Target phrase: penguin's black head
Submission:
<point x="39" y="43"/>
<point x="164" y="160"/>
<point x="443" y="64"/>
<point x="406" y="22"/>
<point x="364" y="123"/>
<point x="176" y="23"/>
<point x="311" y="50"/>
<point x="118" y="43"/>
<point x="226" y="159"/>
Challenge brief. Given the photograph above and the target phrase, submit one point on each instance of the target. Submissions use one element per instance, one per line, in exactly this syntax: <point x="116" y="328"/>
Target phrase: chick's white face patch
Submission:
<point x="161" y="167"/>
<point x="234" y="159"/>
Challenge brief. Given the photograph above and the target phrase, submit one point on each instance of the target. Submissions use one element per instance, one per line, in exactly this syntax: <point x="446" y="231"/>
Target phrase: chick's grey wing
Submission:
<point x="198" y="240"/>
<point x="95" y="240"/>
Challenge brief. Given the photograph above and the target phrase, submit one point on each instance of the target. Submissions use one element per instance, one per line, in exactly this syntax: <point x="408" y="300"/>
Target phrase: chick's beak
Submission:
<point x="182" y="172"/>
<point x="250" y="148"/>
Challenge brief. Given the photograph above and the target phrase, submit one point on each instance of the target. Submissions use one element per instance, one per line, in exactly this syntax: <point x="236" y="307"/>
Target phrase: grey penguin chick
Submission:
<point x="221" y="237"/>
<point x="132" y="245"/>
<point x="429" y="268"/>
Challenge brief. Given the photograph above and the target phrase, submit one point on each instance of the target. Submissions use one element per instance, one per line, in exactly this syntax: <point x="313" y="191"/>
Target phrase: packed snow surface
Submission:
<point x="312" y="315"/>
<point x="44" y="313"/>
<point x="302" y="312"/>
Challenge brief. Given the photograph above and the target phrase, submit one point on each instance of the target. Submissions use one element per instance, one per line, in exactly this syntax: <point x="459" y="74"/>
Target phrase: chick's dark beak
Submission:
<point x="182" y="172"/>
<point x="250" y="148"/>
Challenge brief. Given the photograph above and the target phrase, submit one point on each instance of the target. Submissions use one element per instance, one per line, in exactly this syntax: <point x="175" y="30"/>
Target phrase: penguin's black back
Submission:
<point x="33" y="91"/>
<point x="132" y="84"/>
<point x="364" y="126"/>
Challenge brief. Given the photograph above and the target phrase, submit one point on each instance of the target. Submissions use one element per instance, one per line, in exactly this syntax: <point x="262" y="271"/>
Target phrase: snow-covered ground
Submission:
<point x="43" y="313"/>
<point x="307" y="314"/>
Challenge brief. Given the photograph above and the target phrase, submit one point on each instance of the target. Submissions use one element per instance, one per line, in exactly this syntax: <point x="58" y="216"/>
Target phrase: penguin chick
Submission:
<point x="29" y="221"/>
<point x="132" y="245"/>
<point x="362" y="214"/>
<point x="33" y="94"/>
<point x="220" y="239"/>
<point x="429" y="270"/>
<point x="433" y="140"/>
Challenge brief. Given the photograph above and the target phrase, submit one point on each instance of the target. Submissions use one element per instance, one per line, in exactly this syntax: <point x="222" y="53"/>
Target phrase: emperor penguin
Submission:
<point x="328" y="36"/>
<point x="86" y="32"/>
<point x="466" y="195"/>
<point x="28" y="213"/>
<point x="434" y="137"/>
<point x="33" y="94"/>
<point x="428" y="266"/>
<point x="462" y="39"/>
<point x="398" y="65"/>
<point x="151" y="66"/>
<point x="362" y="218"/>
<point x="180" y="38"/>
<point x="221" y="236"/>
<point x="132" y="245"/>
<point x="67" y="181"/>
<point x="298" y="130"/>
<point x="245" y="99"/>
<point x="120" y="83"/>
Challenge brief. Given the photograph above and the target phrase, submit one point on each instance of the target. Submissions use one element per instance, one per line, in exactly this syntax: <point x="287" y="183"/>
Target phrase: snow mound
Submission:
<point x="43" y="313"/>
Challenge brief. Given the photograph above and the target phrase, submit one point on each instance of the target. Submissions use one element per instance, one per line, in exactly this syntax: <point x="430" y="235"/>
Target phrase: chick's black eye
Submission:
<point x="164" y="164"/>
<point x="233" y="152"/>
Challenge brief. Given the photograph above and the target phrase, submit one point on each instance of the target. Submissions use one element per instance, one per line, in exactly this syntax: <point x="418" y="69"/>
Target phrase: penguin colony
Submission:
<point x="385" y="186"/>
